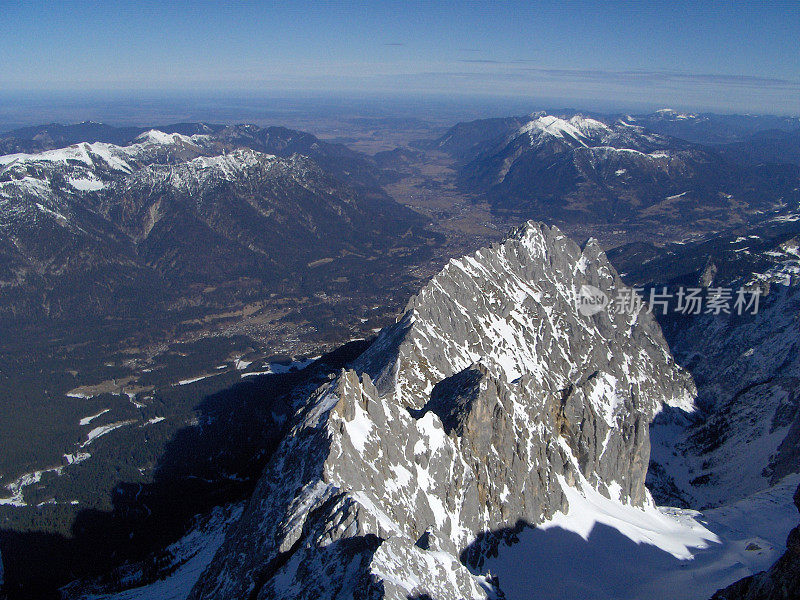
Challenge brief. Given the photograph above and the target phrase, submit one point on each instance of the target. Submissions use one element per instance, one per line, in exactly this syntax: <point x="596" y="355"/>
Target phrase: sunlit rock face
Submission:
<point x="468" y="416"/>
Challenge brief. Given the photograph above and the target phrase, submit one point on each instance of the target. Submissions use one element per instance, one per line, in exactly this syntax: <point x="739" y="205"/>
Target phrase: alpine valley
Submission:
<point x="243" y="361"/>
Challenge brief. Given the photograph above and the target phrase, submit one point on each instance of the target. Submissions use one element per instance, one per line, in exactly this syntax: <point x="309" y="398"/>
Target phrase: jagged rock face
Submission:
<point x="467" y="416"/>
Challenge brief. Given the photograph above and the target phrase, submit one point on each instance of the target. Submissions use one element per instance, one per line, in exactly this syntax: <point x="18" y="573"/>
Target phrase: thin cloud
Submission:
<point x="490" y="61"/>
<point x="395" y="44"/>
<point x="666" y="77"/>
<point x="636" y="77"/>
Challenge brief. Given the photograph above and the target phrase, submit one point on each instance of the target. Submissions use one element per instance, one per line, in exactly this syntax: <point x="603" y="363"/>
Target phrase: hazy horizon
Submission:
<point x="690" y="56"/>
<point x="140" y="108"/>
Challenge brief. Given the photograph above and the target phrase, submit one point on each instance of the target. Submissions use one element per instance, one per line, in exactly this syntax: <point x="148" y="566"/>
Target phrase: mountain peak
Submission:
<point x="576" y="128"/>
<point x="672" y="114"/>
<point x="473" y="413"/>
<point x="154" y="136"/>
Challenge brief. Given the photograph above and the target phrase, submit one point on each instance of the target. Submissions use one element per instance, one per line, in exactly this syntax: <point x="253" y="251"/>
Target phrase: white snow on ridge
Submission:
<point x="104" y="429"/>
<point x="159" y="137"/>
<point x="91" y="154"/>
<point x="577" y="127"/>
<point x="229" y="165"/>
<point x="81" y="153"/>
<point x="90" y="418"/>
<point x="670" y="112"/>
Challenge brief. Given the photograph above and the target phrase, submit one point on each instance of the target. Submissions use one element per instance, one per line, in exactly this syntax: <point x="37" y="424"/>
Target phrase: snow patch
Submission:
<point x="90" y="418"/>
<point x="86" y="184"/>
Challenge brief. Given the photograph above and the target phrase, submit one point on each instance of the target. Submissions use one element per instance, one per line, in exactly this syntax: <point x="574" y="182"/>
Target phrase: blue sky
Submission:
<point x="703" y="55"/>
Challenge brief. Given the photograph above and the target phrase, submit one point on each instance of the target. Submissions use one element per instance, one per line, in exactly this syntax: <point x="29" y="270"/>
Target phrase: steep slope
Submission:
<point x="480" y="411"/>
<point x="465" y="141"/>
<point x="747" y="368"/>
<point x="743" y="438"/>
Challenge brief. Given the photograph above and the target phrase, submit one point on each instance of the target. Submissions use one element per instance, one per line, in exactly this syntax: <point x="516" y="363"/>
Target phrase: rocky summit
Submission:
<point x="488" y="403"/>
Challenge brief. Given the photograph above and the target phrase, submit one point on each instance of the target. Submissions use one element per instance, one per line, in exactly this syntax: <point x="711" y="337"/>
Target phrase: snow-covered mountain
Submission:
<point x="494" y="431"/>
<point x="581" y="131"/>
<point x="583" y="168"/>
<point x="46" y="185"/>
<point x="200" y="207"/>
<point x="495" y="440"/>
<point x="490" y="406"/>
<point x="584" y="172"/>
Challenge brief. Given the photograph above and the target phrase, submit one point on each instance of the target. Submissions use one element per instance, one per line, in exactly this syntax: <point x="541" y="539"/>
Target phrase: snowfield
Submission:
<point x="601" y="550"/>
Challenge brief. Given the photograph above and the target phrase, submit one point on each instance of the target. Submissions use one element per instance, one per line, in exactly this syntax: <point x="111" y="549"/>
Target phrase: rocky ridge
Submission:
<point x="471" y="415"/>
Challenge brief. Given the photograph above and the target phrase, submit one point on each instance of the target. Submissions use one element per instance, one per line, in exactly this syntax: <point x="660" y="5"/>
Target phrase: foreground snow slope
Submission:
<point x="601" y="551"/>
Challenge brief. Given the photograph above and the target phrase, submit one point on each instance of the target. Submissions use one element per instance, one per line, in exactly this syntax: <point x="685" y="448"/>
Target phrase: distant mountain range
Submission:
<point x="170" y="211"/>
<point x="710" y="128"/>
<point x="574" y="169"/>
